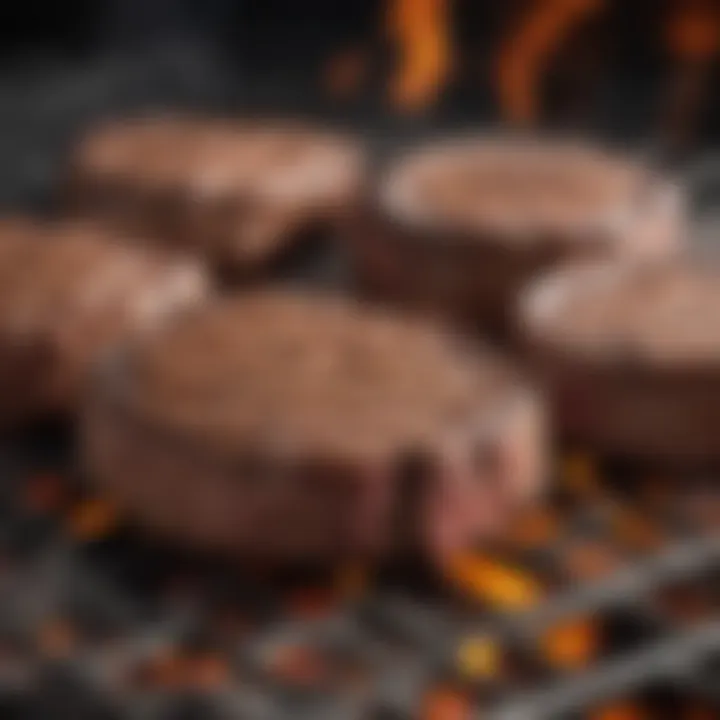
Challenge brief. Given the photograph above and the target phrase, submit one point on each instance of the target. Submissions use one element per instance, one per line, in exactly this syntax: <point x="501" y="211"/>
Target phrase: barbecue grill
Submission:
<point x="603" y="604"/>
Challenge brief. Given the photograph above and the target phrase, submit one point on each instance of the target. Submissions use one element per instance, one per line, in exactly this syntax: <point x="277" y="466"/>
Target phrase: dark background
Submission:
<point x="65" y="64"/>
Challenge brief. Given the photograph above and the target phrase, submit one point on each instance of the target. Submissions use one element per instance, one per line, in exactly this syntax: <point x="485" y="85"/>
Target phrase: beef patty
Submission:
<point x="459" y="227"/>
<point x="295" y="426"/>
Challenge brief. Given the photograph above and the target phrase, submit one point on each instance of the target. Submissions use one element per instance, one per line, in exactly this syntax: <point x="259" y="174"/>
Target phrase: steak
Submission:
<point x="296" y="427"/>
<point x="631" y="356"/>
<point x="457" y="228"/>
<point x="69" y="292"/>
<point x="240" y="195"/>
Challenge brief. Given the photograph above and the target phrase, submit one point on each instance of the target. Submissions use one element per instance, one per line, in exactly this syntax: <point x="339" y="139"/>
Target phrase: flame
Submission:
<point x="693" y="32"/>
<point x="500" y="586"/>
<point x="421" y="29"/>
<point x="573" y="644"/>
<point x="620" y="711"/>
<point x="523" y="58"/>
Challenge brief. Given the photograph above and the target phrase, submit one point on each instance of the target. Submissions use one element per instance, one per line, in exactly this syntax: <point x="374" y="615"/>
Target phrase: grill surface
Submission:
<point x="98" y="622"/>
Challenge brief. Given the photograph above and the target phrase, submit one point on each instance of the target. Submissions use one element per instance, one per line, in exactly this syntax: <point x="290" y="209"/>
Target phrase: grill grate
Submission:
<point x="96" y="621"/>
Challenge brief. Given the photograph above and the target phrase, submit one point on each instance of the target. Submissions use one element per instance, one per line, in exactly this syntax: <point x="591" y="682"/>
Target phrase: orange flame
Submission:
<point x="500" y="586"/>
<point x="421" y="29"/>
<point x="525" y="55"/>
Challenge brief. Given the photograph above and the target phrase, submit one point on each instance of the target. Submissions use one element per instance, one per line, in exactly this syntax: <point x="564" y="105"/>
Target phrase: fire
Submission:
<point x="500" y="586"/>
<point x="421" y="30"/>
<point x="573" y="644"/>
<point x="525" y="55"/>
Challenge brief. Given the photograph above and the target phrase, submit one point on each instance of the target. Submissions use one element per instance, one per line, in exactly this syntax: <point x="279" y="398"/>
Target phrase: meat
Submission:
<point x="458" y="227"/>
<point x="69" y="292"/>
<point x="239" y="195"/>
<point x="631" y="357"/>
<point x="296" y="427"/>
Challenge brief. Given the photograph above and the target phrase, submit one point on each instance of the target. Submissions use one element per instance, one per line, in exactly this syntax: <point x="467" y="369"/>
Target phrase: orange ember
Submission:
<point x="620" y="711"/>
<point x="501" y="587"/>
<point x="479" y="658"/>
<point x="421" y="30"/>
<point x="93" y="519"/>
<point x="524" y="58"/>
<point x="446" y="704"/>
<point x="572" y="645"/>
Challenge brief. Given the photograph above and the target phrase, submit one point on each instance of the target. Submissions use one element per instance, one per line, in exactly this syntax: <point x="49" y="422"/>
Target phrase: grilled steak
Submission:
<point x="458" y="227"/>
<point x="67" y="293"/>
<point x="632" y="356"/>
<point x="237" y="194"/>
<point x="296" y="427"/>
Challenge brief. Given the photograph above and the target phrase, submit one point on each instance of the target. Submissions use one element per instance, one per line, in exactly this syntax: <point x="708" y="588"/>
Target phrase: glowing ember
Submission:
<point x="93" y="519"/>
<point x="479" y="658"/>
<point x="446" y="704"/>
<point x="620" y="711"/>
<point x="572" y="645"/>
<point x="499" y="586"/>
